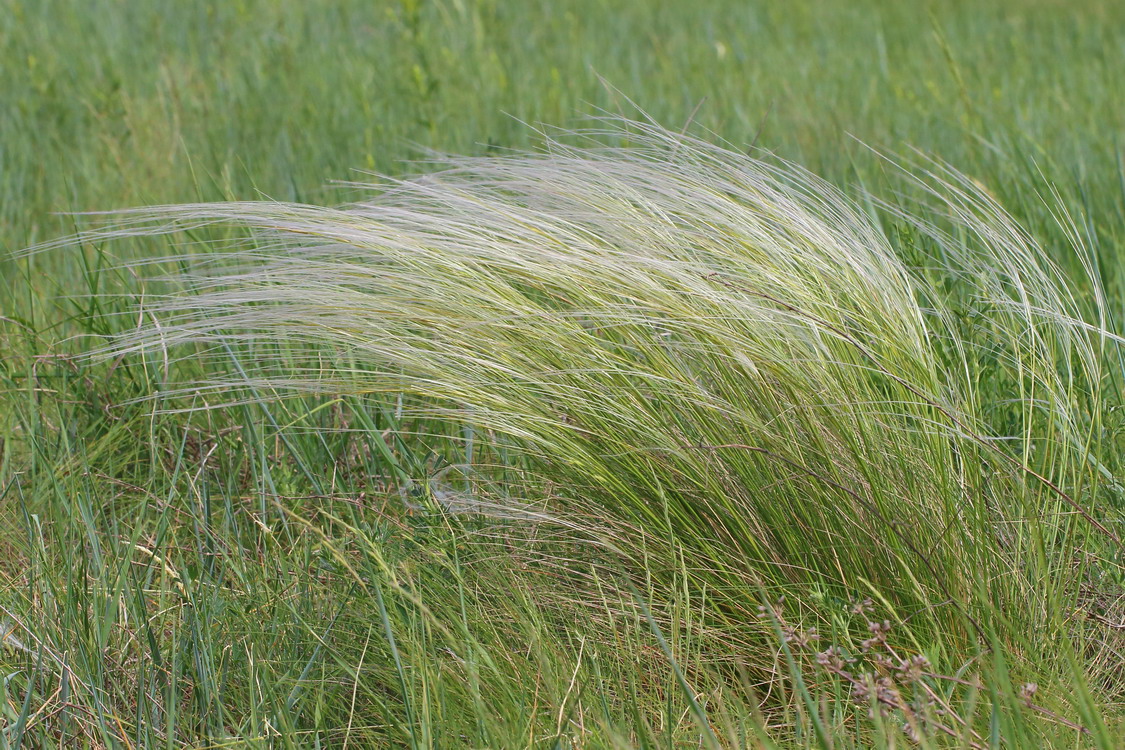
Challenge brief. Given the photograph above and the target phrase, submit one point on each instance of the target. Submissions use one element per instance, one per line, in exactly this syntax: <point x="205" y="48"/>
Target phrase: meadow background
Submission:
<point x="252" y="576"/>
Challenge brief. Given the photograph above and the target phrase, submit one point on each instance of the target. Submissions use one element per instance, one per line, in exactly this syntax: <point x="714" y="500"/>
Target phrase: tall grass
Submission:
<point x="353" y="567"/>
<point x="714" y="373"/>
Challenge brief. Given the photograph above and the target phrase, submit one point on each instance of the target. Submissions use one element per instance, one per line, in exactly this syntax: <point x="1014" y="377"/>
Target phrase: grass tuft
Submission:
<point x="710" y="372"/>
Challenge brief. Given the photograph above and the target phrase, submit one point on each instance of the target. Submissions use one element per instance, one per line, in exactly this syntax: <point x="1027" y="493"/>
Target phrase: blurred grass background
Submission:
<point x="113" y="103"/>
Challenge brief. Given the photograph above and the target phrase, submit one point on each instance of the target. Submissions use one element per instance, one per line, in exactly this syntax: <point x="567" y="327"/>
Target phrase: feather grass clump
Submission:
<point x="697" y="354"/>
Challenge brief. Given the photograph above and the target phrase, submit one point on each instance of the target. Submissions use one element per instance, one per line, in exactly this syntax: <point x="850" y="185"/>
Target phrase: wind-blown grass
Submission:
<point x="717" y="369"/>
<point x="201" y="578"/>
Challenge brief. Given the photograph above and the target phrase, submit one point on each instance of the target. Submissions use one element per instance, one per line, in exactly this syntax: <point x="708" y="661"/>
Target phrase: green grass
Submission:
<point x="287" y="572"/>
